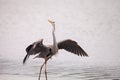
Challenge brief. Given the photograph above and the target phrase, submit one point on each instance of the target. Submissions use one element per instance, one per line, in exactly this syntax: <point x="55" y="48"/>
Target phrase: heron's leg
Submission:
<point x="46" y="59"/>
<point x="40" y="71"/>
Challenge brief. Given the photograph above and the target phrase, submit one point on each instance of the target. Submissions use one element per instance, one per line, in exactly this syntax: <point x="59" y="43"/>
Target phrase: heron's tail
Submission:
<point x="25" y="58"/>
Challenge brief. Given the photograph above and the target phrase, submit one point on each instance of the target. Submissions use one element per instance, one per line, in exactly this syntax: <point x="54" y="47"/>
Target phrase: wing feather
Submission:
<point x="72" y="46"/>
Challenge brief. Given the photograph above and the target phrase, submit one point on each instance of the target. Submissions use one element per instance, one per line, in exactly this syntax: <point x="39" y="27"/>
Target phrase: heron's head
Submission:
<point x="53" y="24"/>
<point x="36" y="47"/>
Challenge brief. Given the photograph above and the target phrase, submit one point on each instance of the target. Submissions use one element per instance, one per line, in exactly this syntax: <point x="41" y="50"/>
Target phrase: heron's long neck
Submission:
<point x="55" y="47"/>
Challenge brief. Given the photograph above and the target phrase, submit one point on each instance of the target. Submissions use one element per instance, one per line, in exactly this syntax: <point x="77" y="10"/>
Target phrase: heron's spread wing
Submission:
<point x="34" y="49"/>
<point x="28" y="48"/>
<point x="72" y="46"/>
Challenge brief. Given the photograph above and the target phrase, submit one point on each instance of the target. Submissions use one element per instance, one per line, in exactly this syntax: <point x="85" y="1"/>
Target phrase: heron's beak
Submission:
<point x="51" y="21"/>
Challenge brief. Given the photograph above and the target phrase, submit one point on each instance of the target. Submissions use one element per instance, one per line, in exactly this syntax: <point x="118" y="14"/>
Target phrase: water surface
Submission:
<point x="60" y="70"/>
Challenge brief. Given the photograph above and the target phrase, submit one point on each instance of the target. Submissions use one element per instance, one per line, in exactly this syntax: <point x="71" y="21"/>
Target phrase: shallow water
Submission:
<point x="60" y="71"/>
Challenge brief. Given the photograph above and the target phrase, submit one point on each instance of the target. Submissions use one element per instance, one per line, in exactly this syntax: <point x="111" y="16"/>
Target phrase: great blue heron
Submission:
<point x="47" y="52"/>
